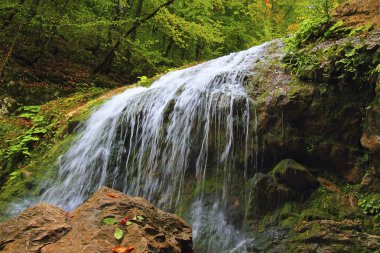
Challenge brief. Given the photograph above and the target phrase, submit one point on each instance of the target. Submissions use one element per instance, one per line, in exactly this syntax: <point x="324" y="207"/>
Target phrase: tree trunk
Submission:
<point x="8" y="55"/>
<point x="169" y="47"/>
<point x="33" y="10"/>
<point x="137" y="16"/>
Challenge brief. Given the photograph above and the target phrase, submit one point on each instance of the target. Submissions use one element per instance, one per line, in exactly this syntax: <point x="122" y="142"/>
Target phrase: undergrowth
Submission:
<point x="332" y="53"/>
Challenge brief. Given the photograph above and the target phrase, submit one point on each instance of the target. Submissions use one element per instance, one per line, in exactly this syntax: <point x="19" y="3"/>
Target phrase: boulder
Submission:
<point x="288" y="181"/>
<point x="92" y="226"/>
<point x="263" y="195"/>
<point x="294" y="175"/>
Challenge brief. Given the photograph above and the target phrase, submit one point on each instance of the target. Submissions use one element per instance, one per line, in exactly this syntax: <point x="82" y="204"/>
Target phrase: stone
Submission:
<point x="294" y="175"/>
<point x="370" y="142"/>
<point x="46" y="228"/>
<point x="263" y="195"/>
<point x="329" y="185"/>
<point x="7" y="105"/>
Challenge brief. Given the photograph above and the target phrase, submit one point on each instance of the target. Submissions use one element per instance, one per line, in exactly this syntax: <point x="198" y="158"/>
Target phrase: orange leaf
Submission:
<point x="268" y="4"/>
<point x="119" y="249"/>
<point x="129" y="249"/>
<point x="114" y="196"/>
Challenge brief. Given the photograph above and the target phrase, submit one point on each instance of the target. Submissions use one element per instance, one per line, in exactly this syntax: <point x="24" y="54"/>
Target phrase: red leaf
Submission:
<point x="123" y="221"/>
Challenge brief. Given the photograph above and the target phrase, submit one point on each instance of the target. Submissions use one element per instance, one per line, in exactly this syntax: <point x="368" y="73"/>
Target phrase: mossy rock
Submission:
<point x="266" y="195"/>
<point x="294" y="175"/>
<point x="313" y="214"/>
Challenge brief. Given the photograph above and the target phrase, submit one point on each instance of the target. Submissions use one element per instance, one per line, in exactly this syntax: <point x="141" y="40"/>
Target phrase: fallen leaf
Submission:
<point x="109" y="221"/>
<point x="118" y="234"/>
<point x="123" y="221"/>
<point x="112" y="195"/>
<point x="119" y="249"/>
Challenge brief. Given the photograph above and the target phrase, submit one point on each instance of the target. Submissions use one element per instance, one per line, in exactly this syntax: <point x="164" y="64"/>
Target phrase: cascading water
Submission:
<point x="181" y="144"/>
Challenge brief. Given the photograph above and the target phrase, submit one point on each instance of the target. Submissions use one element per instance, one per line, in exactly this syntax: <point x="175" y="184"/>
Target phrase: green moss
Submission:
<point x="289" y="222"/>
<point x="313" y="214"/>
<point x="283" y="166"/>
<point x="370" y="204"/>
<point x="265" y="222"/>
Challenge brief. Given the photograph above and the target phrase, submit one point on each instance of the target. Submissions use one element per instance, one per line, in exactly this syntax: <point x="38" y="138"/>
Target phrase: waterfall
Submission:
<point x="182" y="144"/>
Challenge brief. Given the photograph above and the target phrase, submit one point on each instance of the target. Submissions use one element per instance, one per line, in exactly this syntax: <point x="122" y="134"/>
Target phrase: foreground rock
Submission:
<point x="45" y="228"/>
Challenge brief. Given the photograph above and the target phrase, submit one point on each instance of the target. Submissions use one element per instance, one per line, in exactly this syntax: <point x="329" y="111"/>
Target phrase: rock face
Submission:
<point x="45" y="228"/>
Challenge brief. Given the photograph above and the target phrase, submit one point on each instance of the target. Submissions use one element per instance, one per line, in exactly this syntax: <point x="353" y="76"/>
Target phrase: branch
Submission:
<point x="134" y="27"/>
<point x="8" y="55"/>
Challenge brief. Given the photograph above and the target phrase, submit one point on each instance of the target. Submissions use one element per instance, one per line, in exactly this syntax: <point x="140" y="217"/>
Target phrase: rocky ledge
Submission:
<point x="109" y="221"/>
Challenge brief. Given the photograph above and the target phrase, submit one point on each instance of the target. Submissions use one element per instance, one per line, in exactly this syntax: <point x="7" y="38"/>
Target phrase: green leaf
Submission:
<point x="134" y="218"/>
<point x="140" y="217"/>
<point x="109" y="221"/>
<point x="39" y="131"/>
<point x="26" y="115"/>
<point x="118" y="234"/>
<point x="38" y="119"/>
<point x="128" y="223"/>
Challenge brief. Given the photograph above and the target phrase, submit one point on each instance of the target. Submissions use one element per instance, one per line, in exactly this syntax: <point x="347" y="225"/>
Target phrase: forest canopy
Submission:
<point x="132" y="38"/>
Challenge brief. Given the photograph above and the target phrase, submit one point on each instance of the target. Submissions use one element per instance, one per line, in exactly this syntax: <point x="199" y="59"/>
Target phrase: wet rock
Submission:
<point x="333" y="236"/>
<point x="45" y="228"/>
<point x="264" y="195"/>
<point x="305" y="121"/>
<point x="288" y="181"/>
<point x="294" y="175"/>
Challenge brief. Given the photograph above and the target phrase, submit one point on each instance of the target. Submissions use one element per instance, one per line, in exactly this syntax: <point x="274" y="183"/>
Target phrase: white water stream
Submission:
<point x="174" y="143"/>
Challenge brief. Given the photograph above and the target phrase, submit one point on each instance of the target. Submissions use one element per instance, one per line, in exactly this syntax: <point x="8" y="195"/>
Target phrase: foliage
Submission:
<point x="118" y="234"/>
<point x="370" y="204"/>
<point x="21" y="146"/>
<point x="311" y="55"/>
<point x="84" y="31"/>
<point x="109" y="221"/>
